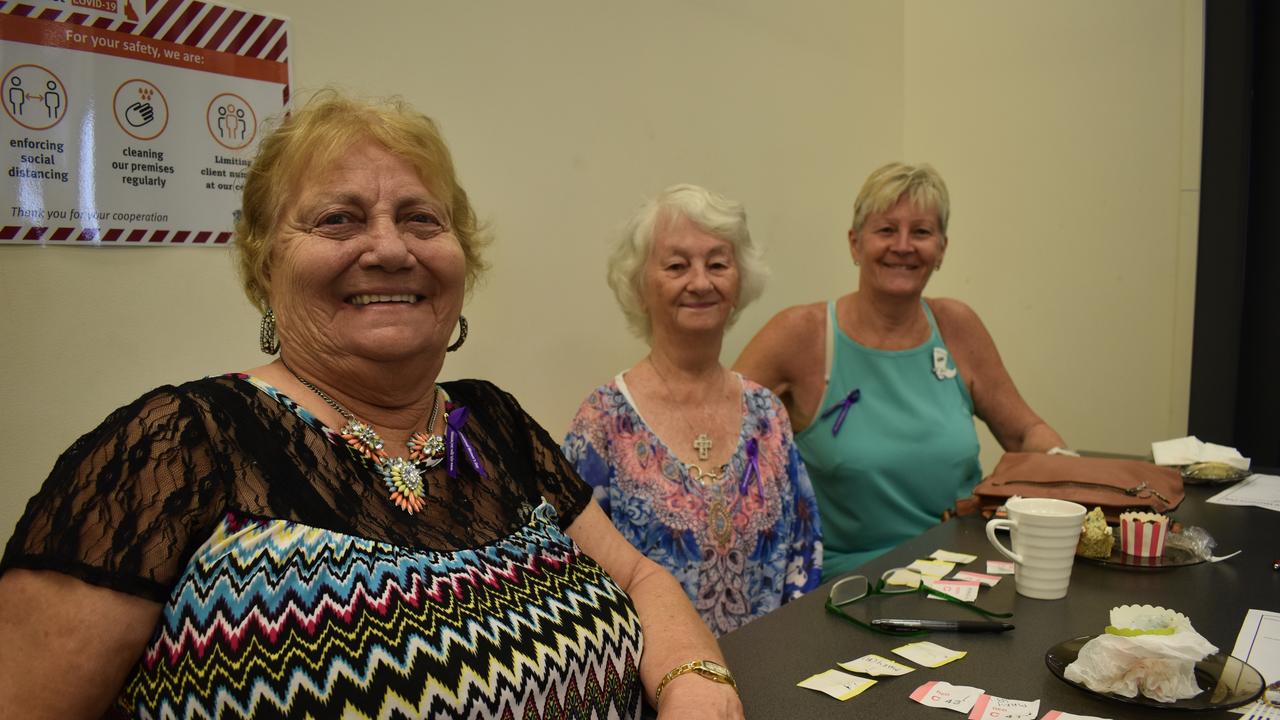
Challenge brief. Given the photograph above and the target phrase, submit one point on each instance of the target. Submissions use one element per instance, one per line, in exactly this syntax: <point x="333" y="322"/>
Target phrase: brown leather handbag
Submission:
<point x="1114" y="485"/>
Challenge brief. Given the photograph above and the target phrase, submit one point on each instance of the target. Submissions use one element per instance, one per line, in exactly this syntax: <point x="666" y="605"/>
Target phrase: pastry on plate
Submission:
<point x="1096" y="539"/>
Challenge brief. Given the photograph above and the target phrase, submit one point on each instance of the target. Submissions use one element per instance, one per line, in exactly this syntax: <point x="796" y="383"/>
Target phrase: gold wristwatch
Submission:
<point x="709" y="669"/>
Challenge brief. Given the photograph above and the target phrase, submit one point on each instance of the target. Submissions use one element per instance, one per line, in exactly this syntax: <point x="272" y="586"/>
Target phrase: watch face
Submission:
<point x="714" y="666"/>
<point x="713" y="670"/>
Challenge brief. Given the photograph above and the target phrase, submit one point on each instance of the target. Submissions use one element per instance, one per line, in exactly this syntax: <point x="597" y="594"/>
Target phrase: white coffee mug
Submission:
<point x="1043" y="533"/>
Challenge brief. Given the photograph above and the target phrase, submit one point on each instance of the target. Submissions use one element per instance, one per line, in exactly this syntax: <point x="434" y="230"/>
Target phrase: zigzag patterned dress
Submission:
<point x="291" y="587"/>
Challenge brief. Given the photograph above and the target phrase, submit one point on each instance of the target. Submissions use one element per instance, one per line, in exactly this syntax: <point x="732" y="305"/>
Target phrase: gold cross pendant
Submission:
<point x="702" y="444"/>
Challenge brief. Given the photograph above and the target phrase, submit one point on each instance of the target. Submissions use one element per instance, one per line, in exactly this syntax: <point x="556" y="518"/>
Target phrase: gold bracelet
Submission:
<point x="709" y="669"/>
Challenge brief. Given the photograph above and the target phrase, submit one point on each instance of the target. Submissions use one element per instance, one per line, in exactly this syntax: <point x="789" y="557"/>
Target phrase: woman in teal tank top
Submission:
<point x="883" y="385"/>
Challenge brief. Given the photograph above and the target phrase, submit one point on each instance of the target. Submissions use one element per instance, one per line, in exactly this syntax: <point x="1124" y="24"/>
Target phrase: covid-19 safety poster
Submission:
<point x="131" y="122"/>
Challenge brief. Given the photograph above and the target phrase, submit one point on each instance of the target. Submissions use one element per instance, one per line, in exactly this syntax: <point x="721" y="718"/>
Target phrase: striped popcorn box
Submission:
<point x="1142" y="534"/>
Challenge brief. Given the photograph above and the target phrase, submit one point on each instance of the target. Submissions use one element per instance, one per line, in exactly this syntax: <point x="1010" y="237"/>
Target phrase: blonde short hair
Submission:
<point x="889" y="183"/>
<point x="710" y="212"/>
<point x="308" y="140"/>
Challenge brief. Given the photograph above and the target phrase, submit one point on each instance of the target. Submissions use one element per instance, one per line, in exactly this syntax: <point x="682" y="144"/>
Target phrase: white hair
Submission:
<point x="710" y="212"/>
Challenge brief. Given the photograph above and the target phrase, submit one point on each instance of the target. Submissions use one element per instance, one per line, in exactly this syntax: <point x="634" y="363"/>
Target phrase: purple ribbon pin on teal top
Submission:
<point x="752" y="469"/>
<point x="843" y="406"/>
<point x="455" y="418"/>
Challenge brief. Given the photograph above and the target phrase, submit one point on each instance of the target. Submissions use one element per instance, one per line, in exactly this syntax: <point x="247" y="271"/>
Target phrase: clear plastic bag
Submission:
<point x="1193" y="539"/>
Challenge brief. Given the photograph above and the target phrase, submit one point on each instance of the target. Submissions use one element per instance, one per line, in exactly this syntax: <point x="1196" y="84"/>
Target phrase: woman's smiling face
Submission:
<point x="365" y="263"/>
<point x="690" y="280"/>
<point x="898" y="249"/>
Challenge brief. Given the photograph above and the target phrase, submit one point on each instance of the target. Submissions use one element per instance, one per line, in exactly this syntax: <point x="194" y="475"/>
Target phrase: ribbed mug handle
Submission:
<point x="992" y="526"/>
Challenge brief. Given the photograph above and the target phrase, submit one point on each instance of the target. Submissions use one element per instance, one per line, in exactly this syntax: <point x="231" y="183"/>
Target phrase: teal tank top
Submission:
<point x="904" y="452"/>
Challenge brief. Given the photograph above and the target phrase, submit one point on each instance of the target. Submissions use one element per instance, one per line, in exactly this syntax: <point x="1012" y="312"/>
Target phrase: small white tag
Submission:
<point x="936" y="693"/>
<point x="904" y="578"/>
<point x="988" y="580"/>
<point x="930" y="655"/>
<point x="999" y="567"/>
<point x="876" y="666"/>
<point x="932" y="568"/>
<point x="990" y="707"/>
<point x="953" y="557"/>
<point x="966" y="590"/>
<point x="940" y="368"/>
<point x="838" y="685"/>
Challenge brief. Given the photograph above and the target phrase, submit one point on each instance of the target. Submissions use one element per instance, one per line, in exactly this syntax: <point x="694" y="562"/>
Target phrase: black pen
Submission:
<point x="898" y="624"/>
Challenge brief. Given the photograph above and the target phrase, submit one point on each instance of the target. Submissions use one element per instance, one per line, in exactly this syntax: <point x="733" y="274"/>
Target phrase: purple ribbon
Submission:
<point x="752" y="468"/>
<point x="455" y="418"/>
<point x="843" y="406"/>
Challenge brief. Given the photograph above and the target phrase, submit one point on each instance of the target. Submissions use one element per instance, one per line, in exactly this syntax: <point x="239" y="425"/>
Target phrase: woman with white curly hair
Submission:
<point x="695" y="464"/>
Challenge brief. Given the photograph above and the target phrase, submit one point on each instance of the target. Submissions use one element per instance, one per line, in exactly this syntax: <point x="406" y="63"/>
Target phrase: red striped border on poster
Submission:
<point x="187" y="85"/>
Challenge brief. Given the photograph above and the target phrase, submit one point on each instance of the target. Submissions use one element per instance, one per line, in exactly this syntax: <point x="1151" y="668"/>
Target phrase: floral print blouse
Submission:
<point x="740" y="545"/>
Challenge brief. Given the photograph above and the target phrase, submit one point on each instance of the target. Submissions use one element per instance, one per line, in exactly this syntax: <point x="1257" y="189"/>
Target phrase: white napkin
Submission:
<point x="1161" y="667"/>
<point x="1190" y="449"/>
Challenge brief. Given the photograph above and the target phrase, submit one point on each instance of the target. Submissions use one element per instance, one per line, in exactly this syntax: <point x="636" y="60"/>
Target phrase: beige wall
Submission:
<point x="1068" y="131"/>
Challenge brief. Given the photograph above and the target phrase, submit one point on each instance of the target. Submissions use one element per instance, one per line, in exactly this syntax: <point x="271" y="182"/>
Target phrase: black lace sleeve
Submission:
<point x="125" y="502"/>
<point x="556" y="476"/>
<point x="550" y="474"/>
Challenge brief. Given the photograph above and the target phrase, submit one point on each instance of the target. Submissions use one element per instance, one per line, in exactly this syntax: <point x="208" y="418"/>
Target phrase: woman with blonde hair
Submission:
<point x="337" y="533"/>
<point x="883" y="384"/>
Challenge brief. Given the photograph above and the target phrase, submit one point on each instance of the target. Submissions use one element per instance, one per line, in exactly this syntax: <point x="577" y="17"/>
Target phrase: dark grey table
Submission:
<point x="771" y="654"/>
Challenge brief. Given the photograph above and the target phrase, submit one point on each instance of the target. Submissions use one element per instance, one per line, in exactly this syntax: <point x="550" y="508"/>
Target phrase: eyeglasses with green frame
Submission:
<point x="851" y="589"/>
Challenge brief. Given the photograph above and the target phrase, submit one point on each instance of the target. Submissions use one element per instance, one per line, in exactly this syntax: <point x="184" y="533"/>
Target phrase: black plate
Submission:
<point x="1172" y="557"/>
<point x="1225" y="681"/>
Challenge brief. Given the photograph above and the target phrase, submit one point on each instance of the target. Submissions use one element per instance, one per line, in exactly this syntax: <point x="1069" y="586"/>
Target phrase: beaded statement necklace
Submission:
<point x="404" y="478"/>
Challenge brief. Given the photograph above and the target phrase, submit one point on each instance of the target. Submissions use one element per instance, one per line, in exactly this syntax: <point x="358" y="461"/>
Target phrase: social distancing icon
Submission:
<point x="34" y="97"/>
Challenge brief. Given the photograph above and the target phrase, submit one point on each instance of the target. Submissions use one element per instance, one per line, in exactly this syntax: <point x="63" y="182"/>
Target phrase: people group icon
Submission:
<point x="231" y="122"/>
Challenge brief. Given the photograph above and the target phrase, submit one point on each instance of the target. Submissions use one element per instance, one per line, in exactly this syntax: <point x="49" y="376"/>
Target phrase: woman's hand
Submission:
<point x="691" y="696"/>
<point x="674" y="634"/>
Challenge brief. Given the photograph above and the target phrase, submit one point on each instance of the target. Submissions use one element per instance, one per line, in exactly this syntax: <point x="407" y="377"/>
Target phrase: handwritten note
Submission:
<point x="966" y="590"/>
<point x="999" y="567"/>
<point x="876" y="666"/>
<point x="953" y="557"/>
<point x="838" y="685"/>
<point x="936" y="693"/>
<point x="932" y="568"/>
<point x="990" y="707"/>
<point x="988" y="580"/>
<point x="929" y="654"/>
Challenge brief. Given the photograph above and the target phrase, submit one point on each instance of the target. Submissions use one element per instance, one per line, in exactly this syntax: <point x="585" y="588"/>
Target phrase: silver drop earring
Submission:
<point x="268" y="342"/>
<point x="462" y="334"/>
